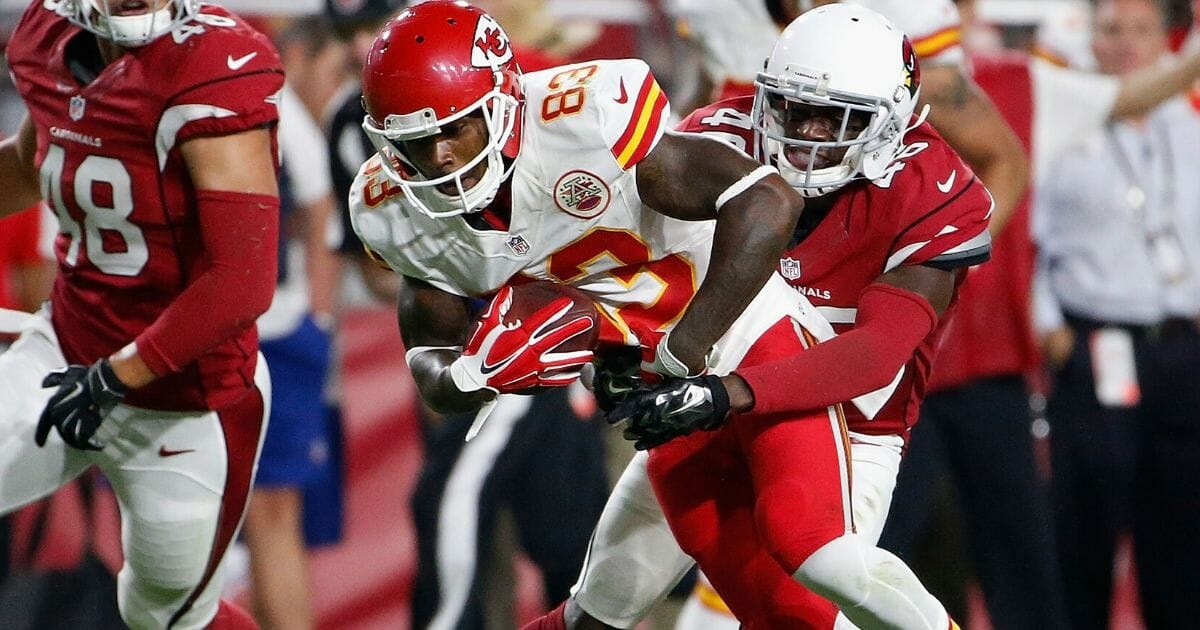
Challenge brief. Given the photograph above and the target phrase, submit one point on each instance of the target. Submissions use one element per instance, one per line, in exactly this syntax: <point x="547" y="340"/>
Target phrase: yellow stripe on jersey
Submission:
<point x="646" y="128"/>
<point x="710" y="598"/>
<point x="927" y="47"/>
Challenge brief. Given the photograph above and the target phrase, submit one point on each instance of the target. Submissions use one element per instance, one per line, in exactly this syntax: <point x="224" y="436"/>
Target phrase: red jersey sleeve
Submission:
<point x="224" y="78"/>
<point x="940" y="208"/>
<point x="727" y="120"/>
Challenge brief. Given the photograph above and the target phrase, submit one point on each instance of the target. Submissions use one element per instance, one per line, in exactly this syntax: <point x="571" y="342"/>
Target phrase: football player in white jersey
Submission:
<point x="485" y="177"/>
<point x="493" y="177"/>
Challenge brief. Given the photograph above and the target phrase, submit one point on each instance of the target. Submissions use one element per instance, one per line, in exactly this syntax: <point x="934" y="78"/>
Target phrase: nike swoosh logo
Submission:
<point x="236" y="64"/>
<point x="624" y="97"/>
<point x="949" y="183"/>
<point x="165" y="452"/>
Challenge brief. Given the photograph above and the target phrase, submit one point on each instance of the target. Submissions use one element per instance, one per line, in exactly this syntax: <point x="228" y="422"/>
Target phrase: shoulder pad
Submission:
<point x="727" y="120"/>
<point x="937" y="206"/>
<point x="214" y="46"/>
<point x="615" y="105"/>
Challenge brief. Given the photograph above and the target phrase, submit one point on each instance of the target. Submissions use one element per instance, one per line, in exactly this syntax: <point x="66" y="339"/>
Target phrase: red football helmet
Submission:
<point x="430" y="65"/>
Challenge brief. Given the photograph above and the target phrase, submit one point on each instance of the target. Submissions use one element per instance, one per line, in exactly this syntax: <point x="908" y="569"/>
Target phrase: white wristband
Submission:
<point x="464" y="379"/>
<point x="668" y="364"/>
<point x="741" y="185"/>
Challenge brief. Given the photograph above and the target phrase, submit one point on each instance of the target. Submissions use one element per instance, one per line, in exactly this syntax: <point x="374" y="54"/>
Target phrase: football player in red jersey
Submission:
<point x="581" y="197"/>
<point x="887" y="234"/>
<point x="151" y="134"/>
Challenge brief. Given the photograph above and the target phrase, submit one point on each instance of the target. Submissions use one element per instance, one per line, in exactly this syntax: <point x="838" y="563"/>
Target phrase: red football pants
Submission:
<point x="753" y="500"/>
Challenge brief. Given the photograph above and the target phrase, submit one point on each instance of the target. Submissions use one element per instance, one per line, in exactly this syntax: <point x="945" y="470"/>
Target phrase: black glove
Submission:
<point x="618" y="374"/>
<point x="85" y="396"/>
<point x="674" y="408"/>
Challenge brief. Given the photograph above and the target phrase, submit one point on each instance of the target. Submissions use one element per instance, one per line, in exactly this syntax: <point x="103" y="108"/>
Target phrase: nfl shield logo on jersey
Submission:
<point x="75" y="110"/>
<point x="581" y="194"/>
<point x="790" y="268"/>
<point x="518" y="244"/>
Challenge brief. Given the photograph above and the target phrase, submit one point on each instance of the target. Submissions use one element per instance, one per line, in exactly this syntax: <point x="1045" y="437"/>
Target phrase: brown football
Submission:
<point x="529" y="297"/>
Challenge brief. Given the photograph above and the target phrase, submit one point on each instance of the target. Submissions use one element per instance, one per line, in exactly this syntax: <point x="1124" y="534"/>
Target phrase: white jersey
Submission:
<point x="933" y="26"/>
<point x="576" y="216"/>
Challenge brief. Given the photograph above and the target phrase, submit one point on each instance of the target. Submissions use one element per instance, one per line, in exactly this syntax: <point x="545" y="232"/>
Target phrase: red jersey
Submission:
<point x="18" y="246"/>
<point x="929" y="209"/>
<point x="107" y="154"/>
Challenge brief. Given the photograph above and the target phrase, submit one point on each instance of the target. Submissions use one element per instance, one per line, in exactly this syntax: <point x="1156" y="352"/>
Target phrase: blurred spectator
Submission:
<point x="1064" y="36"/>
<point x="727" y="41"/>
<point x="295" y="337"/>
<point x="1119" y="230"/>
<point x="355" y="24"/>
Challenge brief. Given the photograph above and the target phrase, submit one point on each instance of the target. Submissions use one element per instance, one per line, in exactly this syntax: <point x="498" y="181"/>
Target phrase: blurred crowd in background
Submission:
<point x="358" y="542"/>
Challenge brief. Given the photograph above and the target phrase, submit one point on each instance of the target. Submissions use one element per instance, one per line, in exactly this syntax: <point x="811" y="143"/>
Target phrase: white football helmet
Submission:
<point x="839" y="56"/>
<point x="132" y="30"/>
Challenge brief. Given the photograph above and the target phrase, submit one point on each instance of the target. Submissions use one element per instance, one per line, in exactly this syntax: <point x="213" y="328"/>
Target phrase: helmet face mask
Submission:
<point x="498" y="112"/>
<point x="133" y="30"/>
<point x="433" y="65"/>
<point x="854" y="66"/>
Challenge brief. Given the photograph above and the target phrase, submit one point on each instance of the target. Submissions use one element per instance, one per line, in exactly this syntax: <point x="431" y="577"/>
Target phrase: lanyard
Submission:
<point x="1163" y="245"/>
<point x="1135" y="196"/>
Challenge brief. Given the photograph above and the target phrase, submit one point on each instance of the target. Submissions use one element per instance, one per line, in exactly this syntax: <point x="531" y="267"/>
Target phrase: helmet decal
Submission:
<point x="492" y="47"/>
<point x="912" y="68"/>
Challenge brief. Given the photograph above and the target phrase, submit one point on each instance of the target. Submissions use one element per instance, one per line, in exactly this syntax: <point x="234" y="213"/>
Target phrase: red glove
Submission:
<point x="507" y="355"/>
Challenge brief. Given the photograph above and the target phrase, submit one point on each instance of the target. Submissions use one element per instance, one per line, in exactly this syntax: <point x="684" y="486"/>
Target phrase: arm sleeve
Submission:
<point x="240" y="233"/>
<point x="890" y="324"/>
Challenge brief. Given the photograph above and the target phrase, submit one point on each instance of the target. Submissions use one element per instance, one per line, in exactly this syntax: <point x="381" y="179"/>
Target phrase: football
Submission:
<point x="528" y="298"/>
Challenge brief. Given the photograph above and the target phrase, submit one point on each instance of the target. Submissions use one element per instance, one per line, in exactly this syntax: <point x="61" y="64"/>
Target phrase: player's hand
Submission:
<point x="679" y="406"/>
<point x="85" y="396"/>
<point x="668" y="363"/>
<point x="618" y="374"/>
<point x="506" y="355"/>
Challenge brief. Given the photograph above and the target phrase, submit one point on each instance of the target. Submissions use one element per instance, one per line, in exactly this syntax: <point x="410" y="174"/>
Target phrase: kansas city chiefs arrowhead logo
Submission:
<point x="491" y="47"/>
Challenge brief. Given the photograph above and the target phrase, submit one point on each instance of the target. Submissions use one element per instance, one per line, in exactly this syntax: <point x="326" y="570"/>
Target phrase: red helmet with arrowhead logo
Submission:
<point x="432" y="64"/>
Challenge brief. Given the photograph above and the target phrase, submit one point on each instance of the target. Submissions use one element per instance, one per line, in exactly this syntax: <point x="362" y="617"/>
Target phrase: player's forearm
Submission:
<point x="241" y="236"/>
<point x="1143" y="90"/>
<point x="322" y="265"/>
<point x="431" y="373"/>
<point x="131" y="369"/>
<point x="891" y="325"/>
<point x="752" y="231"/>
